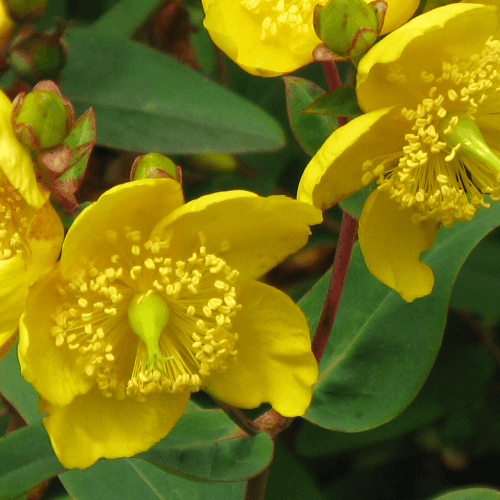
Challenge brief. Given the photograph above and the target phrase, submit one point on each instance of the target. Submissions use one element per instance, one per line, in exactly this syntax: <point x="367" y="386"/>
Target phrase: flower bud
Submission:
<point x="155" y="165"/>
<point x="26" y="10"/>
<point x="349" y="27"/>
<point x="40" y="119"/>
<point x="40" y="56"/>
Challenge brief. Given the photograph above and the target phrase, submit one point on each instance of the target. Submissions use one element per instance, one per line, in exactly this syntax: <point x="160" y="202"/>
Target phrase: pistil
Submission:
<point x="466" y="136"/>
<point x="148" y="316"/>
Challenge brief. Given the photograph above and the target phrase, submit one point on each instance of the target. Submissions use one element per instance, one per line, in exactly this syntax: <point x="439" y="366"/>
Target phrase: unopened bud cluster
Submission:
<point x="38" y="56"/>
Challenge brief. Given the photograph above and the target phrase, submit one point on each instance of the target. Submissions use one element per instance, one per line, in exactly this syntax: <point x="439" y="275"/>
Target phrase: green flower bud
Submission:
<point x="40" y="119"/>
<point x="26" y="10"/>
<point x="40" y="56"/>
<point x="349" y="27"/>
<point x="155" y="165"/>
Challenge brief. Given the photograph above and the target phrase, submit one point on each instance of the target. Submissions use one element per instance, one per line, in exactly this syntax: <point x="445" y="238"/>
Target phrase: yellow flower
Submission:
<point x="155" y="299"/>
<point x="30" y="231"/>
<point x="433" y="147"/>
<point x="270" y="38"/>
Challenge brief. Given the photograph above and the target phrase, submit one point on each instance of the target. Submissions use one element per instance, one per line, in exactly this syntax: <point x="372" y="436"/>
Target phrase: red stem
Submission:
<point x="340" y="265"/>
<point x="342" y="258"/>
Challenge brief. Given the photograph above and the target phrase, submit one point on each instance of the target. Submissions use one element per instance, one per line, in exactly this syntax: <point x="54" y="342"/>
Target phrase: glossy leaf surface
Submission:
<point x="125" y="17"/>
<point x="204" y="444"/>
<point x="26" y="459"/>
<point x="340" y="102"/>
<point x="146" y="101"/>
<point x="132" y="479"/>
<point x="309" y="130"/>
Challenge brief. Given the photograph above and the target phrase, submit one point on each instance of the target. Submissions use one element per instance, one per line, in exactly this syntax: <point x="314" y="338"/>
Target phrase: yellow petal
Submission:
<point x="237" y="32"/>
<point x="275" y="363"/>
<point x="261" y="232"/>
<point x="93" y="426"/>
<point x="7" y="340"/>
<point x="391" y="244"/>
<point x="398" y="12"/>
<point x="50" y="369"/>
<point x="13" y="290"/>
<point x="15" y="159"/>
<point x="45" y="236"/>
<point x="335" y="171"/>
<point x="423" y="44"/>
<point x="139" y="205"/>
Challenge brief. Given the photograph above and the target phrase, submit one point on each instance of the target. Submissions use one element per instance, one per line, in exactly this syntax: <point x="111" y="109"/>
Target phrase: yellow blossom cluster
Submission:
<point x="154" y="298"/>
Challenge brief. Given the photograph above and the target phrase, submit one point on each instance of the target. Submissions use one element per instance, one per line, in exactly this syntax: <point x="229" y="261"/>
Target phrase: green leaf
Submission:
<point x="457" y="380"/>
<point x="382" y="348"/>
<point x="289" y="479"/>
<point x="339" y="102"/>
<point x="477" y="289"/>
<point x="125" y="17"/>
<point x="16" y="390"/>
<point x="470" y="494"/>
<point x="206" y="444"/>
<point x="311" y="131"/>
<point x="132" y="479"/>
<point x="354" y="204"/>
<point x="81" y="140"/>
<point x="26" y="459"/>
<point x="146" y="101"/>
<point x="82" y="131"/>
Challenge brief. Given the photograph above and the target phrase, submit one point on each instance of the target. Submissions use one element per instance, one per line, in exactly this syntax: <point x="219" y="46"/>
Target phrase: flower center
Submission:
<point x="440" y="178"/>
<point x="282" y="18"/>
<point x="146" y="324"/>
<point x="14" y="220"/>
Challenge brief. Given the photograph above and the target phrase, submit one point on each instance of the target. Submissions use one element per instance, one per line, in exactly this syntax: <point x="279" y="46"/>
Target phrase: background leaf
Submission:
<point x="146" y="101"/>
<point x="458" y="379"/>
<point x="125" y="17"/>
<point x="26" y="459"/>
<point x="133" y="479"/>
<point x="16" y="390"/>
<point x="289" y="479"/>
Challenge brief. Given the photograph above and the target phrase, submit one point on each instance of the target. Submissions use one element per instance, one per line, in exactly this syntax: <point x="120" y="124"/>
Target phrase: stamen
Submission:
<point x="446" y="168"/>
<point x="180" y="318"/>
<point x="284" y="18"/>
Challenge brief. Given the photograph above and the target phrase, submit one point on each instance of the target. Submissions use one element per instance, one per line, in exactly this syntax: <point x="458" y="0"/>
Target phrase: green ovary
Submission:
<point x="148" y="316"/>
